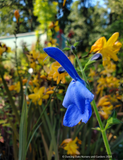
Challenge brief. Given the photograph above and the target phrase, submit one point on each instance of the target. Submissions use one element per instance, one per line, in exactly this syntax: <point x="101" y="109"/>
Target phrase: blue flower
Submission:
<point x="78" y="97"/>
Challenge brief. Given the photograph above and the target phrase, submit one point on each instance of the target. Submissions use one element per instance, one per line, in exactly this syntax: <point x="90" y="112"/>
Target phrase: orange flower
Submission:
<point x="16" y="13"/>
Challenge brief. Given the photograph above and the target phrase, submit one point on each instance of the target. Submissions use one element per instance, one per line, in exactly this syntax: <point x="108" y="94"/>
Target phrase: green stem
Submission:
<point x="97" y="113"/>
<point x="105" y="140"/>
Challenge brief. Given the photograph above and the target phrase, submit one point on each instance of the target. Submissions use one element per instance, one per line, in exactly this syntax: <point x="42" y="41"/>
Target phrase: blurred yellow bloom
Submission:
<point x="33" y="65"/>
<point x="52" y="43"/>
<point x="17" y="87"/>
<point x="103" y="101"/>
<point x="114" y="98"/>
<point x="106" y="111"/>
<point x="11" y="88"/>
<point x="30" y="83"/>
<point x="112" y="82"/>
<point x="60" y="91"/>
<point x="70" y="146"/>
<point x="101" y="85"/>
<point x="38" y="95"/>
<point x="51" y="25"/>
<point x="92" y="73"/>
<point x="107" y="82"/>
<point x="35" y="57"/>
<point x="53" y="73"/>
<point x="43" y="77"/>
<point x="2" y="50"/>
<point x="24" y="81"/>
<point x="109" y="68"/>
<point x="108" y="48"/>
<point x="50" y="90"/>
<point x="105" y="107"/>
<point x="54" y="25"/>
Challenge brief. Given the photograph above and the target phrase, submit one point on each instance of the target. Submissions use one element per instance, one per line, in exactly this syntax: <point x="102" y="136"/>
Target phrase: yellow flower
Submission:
<point x="109" y="68"/>
<point x="60" y="91"/>
<point x="2" y="50"/>
<point x="54" y="25"/>
<point x="11" y="88"/>
<point x="50" y="90"/>
<point x="70" y="146"/>
<point x="108" y="48"/>
<point x="24" y="81"/>
<point x="101" y="85"/>
<point x="105" y="107"/>
<point x="103" y="101"/>
<point x="17" y="87"/>
<point x="38" y="95"/>
<point x="112" y="82"/>
<point x="53" y="73"/>
<point x="107" y="82"/>
<point x="106" y="111"/>
<point x="52" y="43"/>
<point x="92" y="73"/>
<point x="35" y="57"/>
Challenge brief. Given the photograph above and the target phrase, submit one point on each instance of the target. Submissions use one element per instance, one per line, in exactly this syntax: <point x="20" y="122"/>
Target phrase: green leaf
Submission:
<point x="6" y="125"/>
<point x="66" y="49"/>
<point x="76" y="44"/>
<point x="59" y="96"/>
<point x="67" y="43"/>
<point x="3" y="121"/>
<point x="98" y="129"/>
<point x="111" y="121"/>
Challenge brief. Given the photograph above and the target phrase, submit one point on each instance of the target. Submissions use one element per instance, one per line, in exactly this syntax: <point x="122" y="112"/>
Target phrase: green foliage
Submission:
<point x="87" y="23"/>
<point x="45" y="11"/>
<point x="28" y="21"/>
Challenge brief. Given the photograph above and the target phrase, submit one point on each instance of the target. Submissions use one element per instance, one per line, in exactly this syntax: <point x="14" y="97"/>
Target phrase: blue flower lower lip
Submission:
<point x="77" y="101"/>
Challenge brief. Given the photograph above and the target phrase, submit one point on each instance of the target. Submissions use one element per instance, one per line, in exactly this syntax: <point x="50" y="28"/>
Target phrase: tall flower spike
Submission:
<point x="78" y="97"/>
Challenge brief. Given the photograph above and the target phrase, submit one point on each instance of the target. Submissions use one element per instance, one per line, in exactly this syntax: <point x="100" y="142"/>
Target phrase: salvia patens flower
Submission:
<point x="78" y="97"/>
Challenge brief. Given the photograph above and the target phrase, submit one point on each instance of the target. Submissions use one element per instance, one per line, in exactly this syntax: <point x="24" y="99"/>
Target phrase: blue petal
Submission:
<point x="59" y="56"/>
<point x="77" y="93"/>
<point x="73" y="115"/>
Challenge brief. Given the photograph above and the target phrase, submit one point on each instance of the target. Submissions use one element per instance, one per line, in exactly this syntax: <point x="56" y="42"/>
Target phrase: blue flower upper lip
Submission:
<point x="59" y="56"/>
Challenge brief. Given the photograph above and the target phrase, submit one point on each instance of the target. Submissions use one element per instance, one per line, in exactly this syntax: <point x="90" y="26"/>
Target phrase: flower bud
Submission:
<point x="73" y="48"/>
<point x="61" y="70"/>
<point x="96" y="56"/>
<point x="16" y="13"/>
